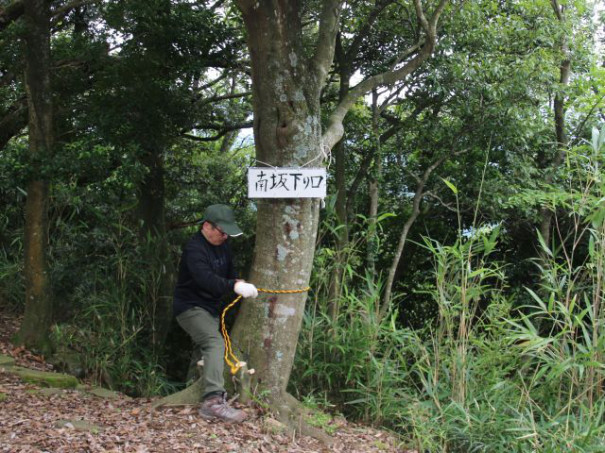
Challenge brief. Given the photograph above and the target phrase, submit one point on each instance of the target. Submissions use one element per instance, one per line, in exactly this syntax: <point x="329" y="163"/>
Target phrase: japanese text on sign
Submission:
<point x="266" y="182"/>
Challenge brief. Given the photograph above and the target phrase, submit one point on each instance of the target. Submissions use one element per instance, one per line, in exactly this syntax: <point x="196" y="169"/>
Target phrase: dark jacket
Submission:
<point x="206" y="274"/>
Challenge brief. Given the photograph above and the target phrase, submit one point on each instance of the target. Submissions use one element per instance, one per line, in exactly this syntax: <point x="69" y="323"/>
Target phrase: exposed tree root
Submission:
<point x="287" y="409"/>
<point x="191" y="395"/>
<point x="293" y="414"/>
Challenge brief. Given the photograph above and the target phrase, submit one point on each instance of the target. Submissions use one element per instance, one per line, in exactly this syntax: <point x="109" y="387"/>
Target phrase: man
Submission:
<point x="206" y="274"/>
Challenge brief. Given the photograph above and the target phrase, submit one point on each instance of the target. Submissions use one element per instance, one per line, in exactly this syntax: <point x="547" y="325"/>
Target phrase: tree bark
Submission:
<point x="287" y="133"/>
<point x="340" y="180"/>
<point x="151" y="208"/>
<point x="546" y="213"/>
<point x="373" y="190"/>
<point x="38" y="299"/>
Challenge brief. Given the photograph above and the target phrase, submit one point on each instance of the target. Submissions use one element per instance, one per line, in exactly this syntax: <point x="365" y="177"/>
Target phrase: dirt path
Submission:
<point x="43" y="420"/>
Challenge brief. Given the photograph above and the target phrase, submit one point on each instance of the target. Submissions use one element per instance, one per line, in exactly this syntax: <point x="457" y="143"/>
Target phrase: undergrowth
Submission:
<point x="492" y="372"/>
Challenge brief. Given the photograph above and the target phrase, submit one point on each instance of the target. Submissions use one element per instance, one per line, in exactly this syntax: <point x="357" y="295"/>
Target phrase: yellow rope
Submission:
<point x="236" y="364"/>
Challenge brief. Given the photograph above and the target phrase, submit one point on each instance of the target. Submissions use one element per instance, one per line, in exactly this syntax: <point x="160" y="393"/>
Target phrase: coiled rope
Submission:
<point x="233" y="362"/>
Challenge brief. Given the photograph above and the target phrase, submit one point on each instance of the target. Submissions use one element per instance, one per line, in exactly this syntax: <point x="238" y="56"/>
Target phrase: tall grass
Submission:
<point x="112" y="327"/>
<point x="354" y="361"/>
<point x="492" y="372"/>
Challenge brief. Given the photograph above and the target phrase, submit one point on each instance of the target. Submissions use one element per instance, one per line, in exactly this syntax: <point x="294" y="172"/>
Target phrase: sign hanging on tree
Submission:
<point x="273" y="182"/>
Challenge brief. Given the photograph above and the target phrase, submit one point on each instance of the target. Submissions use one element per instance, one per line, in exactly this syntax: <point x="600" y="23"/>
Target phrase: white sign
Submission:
<point x="270" y="182"/>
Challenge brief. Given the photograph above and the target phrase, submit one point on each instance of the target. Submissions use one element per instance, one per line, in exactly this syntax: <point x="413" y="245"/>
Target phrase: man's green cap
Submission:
<point x="222" y="216"/>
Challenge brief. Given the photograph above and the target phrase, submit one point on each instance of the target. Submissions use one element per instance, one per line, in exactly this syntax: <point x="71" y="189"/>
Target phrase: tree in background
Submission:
<point x="151" y="92"/>
<point x="135" y="99"/>
<point x="38" y="297"/>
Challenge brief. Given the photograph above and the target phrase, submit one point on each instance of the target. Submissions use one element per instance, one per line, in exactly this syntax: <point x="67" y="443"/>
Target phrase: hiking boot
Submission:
<point x="217" y="407"/>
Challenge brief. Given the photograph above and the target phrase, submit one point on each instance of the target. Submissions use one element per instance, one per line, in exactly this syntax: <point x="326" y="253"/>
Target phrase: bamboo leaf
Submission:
<point x="452" y="187"/>
<point x="537" y="298"/>
<point x="543" y="244"/>
<point x="386" y="215"/>
<point x="595" y="139"/>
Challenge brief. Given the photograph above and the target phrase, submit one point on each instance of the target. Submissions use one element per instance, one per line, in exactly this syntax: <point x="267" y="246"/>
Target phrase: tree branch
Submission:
<point x="557" y="9"/>
<point x="418" y="195"/>
<point x="245" y="5"/>
<point x="335" y="129"/>
<point x="406" y="54"/>
<point x="15" y="10"/>
<point x="421" y="17"/>
<point x="447" y="206"/>
<point x="214" y="138"/>
<point x="210" y="84"/>
<point x="580" y="126"/>
<point x="362" y="172"/>
<point x="226" y="96"/>
<point x="63" y="10"/>
<point x="326" y="41"/>
<point x="379" y="6"/>
<point x="221" y="131"/>
<point x="437" y="15"/>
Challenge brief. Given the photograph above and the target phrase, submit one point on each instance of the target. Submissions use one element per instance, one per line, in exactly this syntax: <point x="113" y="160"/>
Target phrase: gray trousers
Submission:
<point x="203" y="328"/>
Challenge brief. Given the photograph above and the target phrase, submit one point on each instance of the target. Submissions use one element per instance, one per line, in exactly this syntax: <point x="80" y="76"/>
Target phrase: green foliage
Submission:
<point x="11" y="228"/>
<point x="113" y="316"/>
<point x="482" y="378"/>
<point x="354" y="360"/>
<point x="318" y="415"/>
<point x="106" y="276"/>
<point x="495" y="371"/>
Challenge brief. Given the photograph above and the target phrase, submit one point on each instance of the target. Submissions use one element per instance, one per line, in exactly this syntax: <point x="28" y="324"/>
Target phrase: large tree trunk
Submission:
<point x="151" y="207"/>
<point x="38" y="299"/>
<point x="287" y="133"/>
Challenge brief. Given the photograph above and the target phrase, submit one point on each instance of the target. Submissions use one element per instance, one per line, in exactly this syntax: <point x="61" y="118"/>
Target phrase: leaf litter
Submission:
<point x="76" y="421"/>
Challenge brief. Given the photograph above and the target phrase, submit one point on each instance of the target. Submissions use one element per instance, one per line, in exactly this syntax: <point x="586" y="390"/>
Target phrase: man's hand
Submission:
<point x="245" y="290"/>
